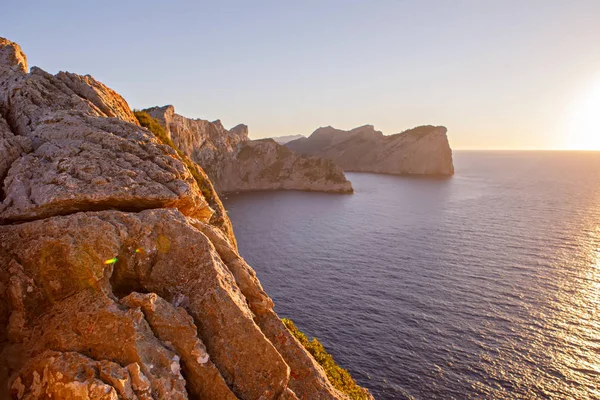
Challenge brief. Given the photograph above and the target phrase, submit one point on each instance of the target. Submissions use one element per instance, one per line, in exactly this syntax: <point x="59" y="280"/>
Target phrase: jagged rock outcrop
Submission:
<point x="235" y="163"/>
<point x="116" y="281"/>
<point x="11" y="56"/>
<point x="420" y="151"/>
<point x="103" y="97"/>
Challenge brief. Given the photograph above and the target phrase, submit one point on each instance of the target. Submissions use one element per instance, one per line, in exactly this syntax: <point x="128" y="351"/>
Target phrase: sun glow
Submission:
<point x="583" y="128"/>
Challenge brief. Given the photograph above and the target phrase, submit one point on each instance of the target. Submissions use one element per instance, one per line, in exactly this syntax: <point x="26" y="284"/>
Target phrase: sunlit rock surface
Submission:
<point x="420" y="151"/>
<point x="235" y="163"/>
<point x="116" y="282"/>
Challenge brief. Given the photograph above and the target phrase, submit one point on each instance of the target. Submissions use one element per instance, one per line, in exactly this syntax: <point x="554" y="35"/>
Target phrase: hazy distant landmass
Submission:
<point x="420" y="151"/>
<point x="286" y="139"/>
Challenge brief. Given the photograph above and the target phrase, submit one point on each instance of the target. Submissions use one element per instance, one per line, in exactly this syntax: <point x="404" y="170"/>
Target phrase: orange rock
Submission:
<point x="116" y="278"/>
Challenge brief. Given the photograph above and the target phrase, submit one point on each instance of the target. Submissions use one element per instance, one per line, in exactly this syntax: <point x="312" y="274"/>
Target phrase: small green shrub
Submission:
<point x="219" y="217"/>
<point x="339" y="377"/>
<point x="153" y="126"/>
<point x="156" y="128"/>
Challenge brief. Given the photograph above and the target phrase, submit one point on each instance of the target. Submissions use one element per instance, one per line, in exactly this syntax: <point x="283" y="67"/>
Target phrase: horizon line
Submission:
<point x="525" y="149"/>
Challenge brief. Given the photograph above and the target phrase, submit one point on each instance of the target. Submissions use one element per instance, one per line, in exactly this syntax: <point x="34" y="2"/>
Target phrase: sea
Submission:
<point x="485" y="285"/>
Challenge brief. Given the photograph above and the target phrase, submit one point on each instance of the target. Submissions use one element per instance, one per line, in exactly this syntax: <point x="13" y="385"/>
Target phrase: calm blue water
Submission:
<point x="485" y="285"/>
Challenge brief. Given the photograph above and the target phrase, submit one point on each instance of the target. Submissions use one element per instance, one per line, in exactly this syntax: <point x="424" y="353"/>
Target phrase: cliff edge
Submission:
<point x="119" y="274"/>
<point x="235" y="163"/>
<point x="420" y="151"/>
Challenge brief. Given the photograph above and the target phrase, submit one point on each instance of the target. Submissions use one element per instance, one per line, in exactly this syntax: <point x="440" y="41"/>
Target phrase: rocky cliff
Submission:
<point x="421" y="151"/>
<point x="119" y="274"/>
<point x="235" y="163"/>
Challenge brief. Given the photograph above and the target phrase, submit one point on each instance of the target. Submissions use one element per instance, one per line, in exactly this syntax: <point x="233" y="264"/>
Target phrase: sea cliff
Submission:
<point x="420" y="151"/>
<point x="119" y="272"/>
<point x="235" y="163"/>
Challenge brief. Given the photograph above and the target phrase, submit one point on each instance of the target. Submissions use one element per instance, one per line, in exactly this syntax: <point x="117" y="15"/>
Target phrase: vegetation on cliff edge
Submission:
<point x="156" y="128"/>
<point x="219" y="218"/>
<point x="339" y="377"/>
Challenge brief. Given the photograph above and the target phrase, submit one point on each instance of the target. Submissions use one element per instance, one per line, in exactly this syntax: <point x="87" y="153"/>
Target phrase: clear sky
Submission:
<point x="510" y="74"/>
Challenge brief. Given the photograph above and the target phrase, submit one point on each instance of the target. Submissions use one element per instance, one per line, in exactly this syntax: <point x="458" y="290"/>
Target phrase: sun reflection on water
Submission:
<point x="576" y="324"/>
<point x="554" y="349"/>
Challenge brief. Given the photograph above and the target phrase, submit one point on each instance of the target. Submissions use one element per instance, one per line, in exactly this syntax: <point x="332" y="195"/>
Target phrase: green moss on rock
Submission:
<point x="218" y="219"/>
<point x="154" y="126"/>
<point x="339" y="377"/>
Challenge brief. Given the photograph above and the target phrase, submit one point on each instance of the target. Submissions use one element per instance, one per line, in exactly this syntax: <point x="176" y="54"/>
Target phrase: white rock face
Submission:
<point x="235" y="163"/>
<point x="420" y="151"/>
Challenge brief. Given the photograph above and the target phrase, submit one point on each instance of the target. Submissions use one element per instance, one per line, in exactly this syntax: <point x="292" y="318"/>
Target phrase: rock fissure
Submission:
<point x="4" y="115"/>
<point x="90" y="208"/>
<point x="174" y="326"/>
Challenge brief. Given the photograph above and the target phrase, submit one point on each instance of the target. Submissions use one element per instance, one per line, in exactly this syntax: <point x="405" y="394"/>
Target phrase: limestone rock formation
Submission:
<point x="116" y="280"/>
<point x="11" y="56"/>
<point x="235" y="163"/>
<point x="420" y="151"/>
<point x="103" y="97"/>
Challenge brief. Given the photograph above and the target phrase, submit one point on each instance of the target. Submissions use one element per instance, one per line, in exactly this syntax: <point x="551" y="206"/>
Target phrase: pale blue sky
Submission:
<point x="498" y="74"/>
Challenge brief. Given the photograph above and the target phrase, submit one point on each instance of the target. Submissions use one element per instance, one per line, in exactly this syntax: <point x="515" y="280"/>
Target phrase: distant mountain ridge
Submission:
<point x="423" y="150"/>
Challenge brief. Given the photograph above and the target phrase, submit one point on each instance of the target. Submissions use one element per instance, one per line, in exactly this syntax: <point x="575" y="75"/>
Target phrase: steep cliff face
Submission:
<point x="235" y="163"/>
<point x="114" y="280"/>
<point x="421" y="151"/>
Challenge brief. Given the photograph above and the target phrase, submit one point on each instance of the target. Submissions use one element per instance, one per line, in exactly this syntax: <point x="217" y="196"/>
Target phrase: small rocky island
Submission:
<point x="234" y="163"/>
<point x="420" y="151"/>
<point x="120" y="276"/>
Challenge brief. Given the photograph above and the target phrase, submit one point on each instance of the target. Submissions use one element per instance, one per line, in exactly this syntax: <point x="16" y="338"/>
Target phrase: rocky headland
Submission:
<point x="234" y="163"/>
<point x="420" y="151"/>
<point x="119" y="273"/>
